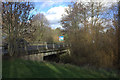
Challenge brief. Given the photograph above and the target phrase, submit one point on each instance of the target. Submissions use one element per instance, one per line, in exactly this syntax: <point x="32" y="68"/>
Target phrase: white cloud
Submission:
<point x="54" y="15"/>
<point x="54" y="26"/>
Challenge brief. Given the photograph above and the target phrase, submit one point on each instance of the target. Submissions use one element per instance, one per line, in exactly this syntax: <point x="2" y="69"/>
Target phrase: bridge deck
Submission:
<point x="48" y="49"/>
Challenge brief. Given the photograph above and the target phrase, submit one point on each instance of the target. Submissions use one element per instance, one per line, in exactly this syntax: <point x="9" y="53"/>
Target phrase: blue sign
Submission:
<point x="61" y="38"/>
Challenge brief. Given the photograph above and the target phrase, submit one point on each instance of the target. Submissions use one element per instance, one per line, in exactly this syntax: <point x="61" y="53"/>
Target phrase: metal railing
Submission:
<point x="41" y="48"/>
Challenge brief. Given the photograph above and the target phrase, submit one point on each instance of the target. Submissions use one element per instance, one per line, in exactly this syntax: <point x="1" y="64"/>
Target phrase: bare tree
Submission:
<point x="40" y="23"/>
<point x="15" y="16"/>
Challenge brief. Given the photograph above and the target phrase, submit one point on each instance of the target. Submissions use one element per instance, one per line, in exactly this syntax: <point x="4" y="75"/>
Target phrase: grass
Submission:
<point x="32" y="69"/>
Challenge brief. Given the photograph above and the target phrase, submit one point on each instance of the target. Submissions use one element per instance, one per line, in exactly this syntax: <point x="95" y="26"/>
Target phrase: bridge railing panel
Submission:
<point x="42" y="48"/>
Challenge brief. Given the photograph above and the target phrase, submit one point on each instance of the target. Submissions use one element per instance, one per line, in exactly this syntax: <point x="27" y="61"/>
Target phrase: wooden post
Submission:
<point x="53" y="45"/>
<point x="37" y="47"/>
<point x="46" y="45"/>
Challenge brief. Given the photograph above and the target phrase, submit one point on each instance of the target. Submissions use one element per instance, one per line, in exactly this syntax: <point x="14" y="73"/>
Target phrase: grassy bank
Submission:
<point x="32" y="69"/>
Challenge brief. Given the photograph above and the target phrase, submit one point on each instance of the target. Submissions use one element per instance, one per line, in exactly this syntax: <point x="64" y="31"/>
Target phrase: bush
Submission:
<point x="65" y="58"/>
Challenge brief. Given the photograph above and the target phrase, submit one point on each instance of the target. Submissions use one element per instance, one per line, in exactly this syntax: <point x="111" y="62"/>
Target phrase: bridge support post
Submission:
<point x="46" y="45"/>
<point x="40" y="57"/>
<point x="53" y="45"/>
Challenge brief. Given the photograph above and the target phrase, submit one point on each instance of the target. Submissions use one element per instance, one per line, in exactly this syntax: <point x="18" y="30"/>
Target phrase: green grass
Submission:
<point x="33" y="69"/>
